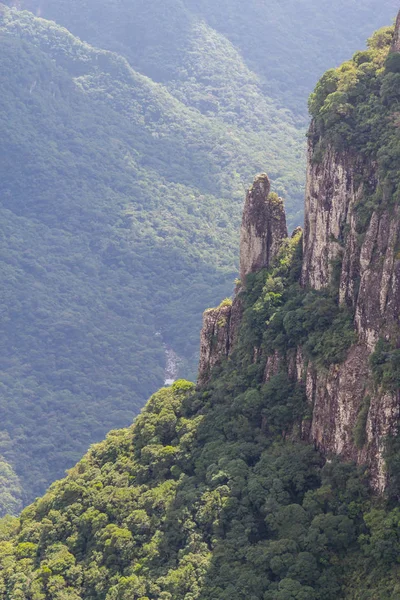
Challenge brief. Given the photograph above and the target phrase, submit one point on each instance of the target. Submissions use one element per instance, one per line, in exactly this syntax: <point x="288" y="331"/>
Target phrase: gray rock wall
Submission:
<point x="370" y="283"/>
<point x="263" y="227"/>
<point x="262" y="232"/>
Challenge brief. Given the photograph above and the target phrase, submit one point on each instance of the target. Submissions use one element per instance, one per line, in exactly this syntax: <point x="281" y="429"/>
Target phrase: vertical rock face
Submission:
<point x="330" y="195"/>
<point x="263" y="227"/>
<point x="396" y="38"/>
<point x="214" y="339"/>
<point x="368" y="268"/>
<point x="351" y="415"/>
<point x="368" y="275"/>
<point x="262" y="232"/>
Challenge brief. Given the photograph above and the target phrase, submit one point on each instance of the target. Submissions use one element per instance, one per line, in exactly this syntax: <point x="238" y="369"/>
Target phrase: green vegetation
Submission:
<point x="187" y="44"/>
<point x="210" y="495"/>
<point x="355" y="108"/>
<point x="287" y="316"/>
<point x="359" y="431"/>
<point x="385" y="364"/>
<point x="120" y="205"/>
<point x="226" y="302"/>
<point x="392" y="459"/>
<point x="10" y="490"/>
<point x="121" y="197"/>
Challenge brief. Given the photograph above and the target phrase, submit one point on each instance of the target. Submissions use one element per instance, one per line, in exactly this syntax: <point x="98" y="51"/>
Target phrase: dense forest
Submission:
<point x="119" y="207"/>
<point x="288" y="44"/>
<point x="206" y="496"/>
<point x="211" y="494"/>
<point x="123" y="169"/>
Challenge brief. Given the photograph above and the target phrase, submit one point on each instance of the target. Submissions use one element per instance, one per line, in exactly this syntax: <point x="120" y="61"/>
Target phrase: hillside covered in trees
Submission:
<point x="119" y="207"/>
<point x="123" y="168"/>
<point x="196" y="502"/>
<point x="184" y="44"/>
<point x="215" y="492"/>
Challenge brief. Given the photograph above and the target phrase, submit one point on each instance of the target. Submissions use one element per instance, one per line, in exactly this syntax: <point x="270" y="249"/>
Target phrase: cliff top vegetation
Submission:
<point x="355" y="108"/>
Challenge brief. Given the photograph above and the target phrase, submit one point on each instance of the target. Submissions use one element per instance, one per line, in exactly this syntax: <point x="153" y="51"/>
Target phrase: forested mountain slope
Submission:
<point x="118" y="211"/>
<point x="288" y="43"/>
<point x="216" y="492"/>
<point x="120" y="196"/>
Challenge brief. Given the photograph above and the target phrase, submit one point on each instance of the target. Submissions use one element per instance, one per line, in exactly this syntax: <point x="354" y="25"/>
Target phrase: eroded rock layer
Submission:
<point x="263" y="227"/>
<point x="214" y="340"/>
<point x="368" y="272"/>
<point x="262" y="232"/>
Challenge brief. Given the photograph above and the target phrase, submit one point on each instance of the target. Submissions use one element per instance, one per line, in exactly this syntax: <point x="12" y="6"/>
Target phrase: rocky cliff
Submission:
<point x="369" y="282"/>
<point x="215" y="339"/>
<point x="263" y="227"/>
<point x="262" y="231"/>
<point x="361" y="257"/>
<point x="396" y="38"/>
<point x="351" y="249"/>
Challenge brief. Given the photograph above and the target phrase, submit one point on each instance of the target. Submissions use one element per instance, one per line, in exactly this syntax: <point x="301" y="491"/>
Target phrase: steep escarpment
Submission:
<point x="216" y="339"/>
<point x="237" y="489"/>
<point x="351" y="240"/>
<point x="361" y="268"/>
<point x="350" y="260"/>
<point x="261" y="234"/>
<point x="396" y="38"/>
<point x="362" y="265"/>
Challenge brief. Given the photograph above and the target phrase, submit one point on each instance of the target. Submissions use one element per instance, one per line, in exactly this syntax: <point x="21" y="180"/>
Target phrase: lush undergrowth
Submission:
<point x="281" y="316"/>
<point x="385" y="364"/>
<point x="209" y="495"/>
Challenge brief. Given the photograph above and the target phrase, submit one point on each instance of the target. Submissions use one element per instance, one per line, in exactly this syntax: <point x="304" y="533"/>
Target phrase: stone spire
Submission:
<point x="396" y="38"/>
<point x="261" y="235"/>
<point x="263" y="227"/>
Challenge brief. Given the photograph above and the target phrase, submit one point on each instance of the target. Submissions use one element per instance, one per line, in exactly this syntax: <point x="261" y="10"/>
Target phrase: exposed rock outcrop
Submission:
<point x="396" y="38"/>
<point x="263" y="227"/>
<point x="330" y="195"/>
<point x="369" y="275"/>
<point x="214" y="339"/>
<point x="262" y="232"/>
